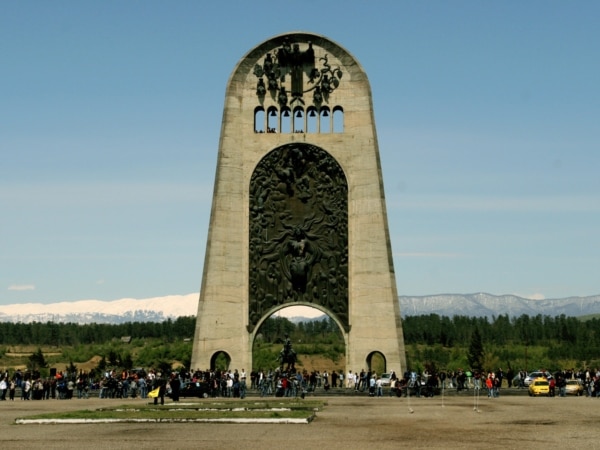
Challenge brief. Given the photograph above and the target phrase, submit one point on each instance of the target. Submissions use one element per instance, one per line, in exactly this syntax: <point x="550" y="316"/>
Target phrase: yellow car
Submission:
<point x="539" y="386"/>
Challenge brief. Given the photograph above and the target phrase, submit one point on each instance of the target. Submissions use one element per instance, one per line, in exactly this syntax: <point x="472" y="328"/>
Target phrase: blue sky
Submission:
<point x="487" y="115"/>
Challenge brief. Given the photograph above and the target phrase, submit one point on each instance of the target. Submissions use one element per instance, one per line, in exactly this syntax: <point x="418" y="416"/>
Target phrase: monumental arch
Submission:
<point x="298" y="214"/>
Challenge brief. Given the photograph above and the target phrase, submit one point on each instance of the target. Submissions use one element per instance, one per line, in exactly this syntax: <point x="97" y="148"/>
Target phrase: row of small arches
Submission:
<point x="286" y="120"/>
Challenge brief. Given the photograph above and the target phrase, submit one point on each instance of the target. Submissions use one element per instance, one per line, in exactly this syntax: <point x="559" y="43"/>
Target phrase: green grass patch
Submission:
<point x="192" y="411"/>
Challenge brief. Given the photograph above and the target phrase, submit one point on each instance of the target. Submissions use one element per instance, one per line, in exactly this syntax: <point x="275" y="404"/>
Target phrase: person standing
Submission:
<point x="3" y="388"/>
<point x="351" y="380"/>
<point x="26" y="387"/>
<point x="175" y="384"/>
<point x="142" y="387"/>
<point x="379" y="386"/>
<point x="11" y="389"/>
<point x="160" y="384"/>
<point x="372" y="383"/>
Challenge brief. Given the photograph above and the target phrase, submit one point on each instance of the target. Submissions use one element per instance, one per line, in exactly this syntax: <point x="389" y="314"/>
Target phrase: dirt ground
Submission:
<point x="348" y="422"/>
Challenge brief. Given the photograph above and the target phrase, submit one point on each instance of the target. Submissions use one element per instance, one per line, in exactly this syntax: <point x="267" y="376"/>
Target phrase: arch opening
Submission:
<point x="338" y="119"/>
<point x="325" y="120"/>
<point x="376" y="362"/>
<point x="317" y="340"/>
<point x="220" y="360"/>
<point x="259" y="119"/>
<point x="272" y="120"/>
<point x="298" y="120"/>
<point x="286" y="120"/>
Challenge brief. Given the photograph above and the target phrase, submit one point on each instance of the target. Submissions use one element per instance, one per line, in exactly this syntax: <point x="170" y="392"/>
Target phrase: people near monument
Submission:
<point x="497" y="384"/>
<point x="70" y="389"/>
<point x="312" y="381"/>
<point x="476" y="379"/>
<point x="372" y="386"/>
<point x="489" y="384"/>
<point x="552" y="387"/>
<point x="461" y="381"/>
<point x="379" y="386"/>
<point x="3" y="388"/>
<point x="243" y="387"/>
<point x="360" y="385"/>
<point x="350" y="380"/>
<point x="510" y="375"/>
<point x="79" y="386"/>
<point x="18" y="376"/>
<point x="12" y="387"/>
<point x="124" y="386"/>
<point x="469" y="379"/>
<point x="159" y="383"/>
<point x="175" y="385"/>
<point x="38" y="389"/>
<point x="236" y="388"/>
<point x="143" y="387"/>
<point x="500" y="376"/>
<point x="229" y="386"/>
<point x="26" y="389"/>
<point x="133" y="387"/>
<point x="334" y="379"/>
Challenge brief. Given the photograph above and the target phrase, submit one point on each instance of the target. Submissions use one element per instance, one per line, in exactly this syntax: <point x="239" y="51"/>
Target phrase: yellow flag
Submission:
<point x="154" y="393"/>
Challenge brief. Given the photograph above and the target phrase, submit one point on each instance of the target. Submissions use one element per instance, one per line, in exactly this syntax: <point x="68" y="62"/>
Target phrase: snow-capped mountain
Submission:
<point x="488" y="305"/>
<point x="155" y="309"/>
<point x="159" y="309"/>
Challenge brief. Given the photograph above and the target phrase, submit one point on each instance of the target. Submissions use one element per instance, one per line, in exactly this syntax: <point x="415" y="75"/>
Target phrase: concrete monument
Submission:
<point x="298" y="214"/>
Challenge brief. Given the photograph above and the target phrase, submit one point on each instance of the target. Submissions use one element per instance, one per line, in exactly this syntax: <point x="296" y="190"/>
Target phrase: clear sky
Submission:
<point x="487" y="113"/>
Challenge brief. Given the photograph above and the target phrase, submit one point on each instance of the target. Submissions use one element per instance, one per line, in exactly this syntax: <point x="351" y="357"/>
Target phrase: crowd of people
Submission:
<point x="143" y="384"/>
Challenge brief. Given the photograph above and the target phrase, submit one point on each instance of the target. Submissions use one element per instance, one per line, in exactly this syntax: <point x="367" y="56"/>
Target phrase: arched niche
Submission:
<point x="338" y="119"/>
<point x="259" y="119"/>
<point x="376" y="362"/>
<point x="272" y="120"/>
<point x="286" y="120"/>
<point x="298" y="120"/>
<point x="220" y="360"/>
<point x="325" y="120"/>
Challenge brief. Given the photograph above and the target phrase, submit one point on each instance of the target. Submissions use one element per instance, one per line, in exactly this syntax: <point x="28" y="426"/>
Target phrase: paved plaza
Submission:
<point x="347" y="422"/>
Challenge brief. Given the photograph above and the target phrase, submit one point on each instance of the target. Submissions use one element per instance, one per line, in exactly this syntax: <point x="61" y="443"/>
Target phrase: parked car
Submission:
<point x="539" y="386"/>
<point x="386" y="379"/>
<point x="193" y="389"/>
<point x="574" y="387"/>
<point x="537" y="374"/>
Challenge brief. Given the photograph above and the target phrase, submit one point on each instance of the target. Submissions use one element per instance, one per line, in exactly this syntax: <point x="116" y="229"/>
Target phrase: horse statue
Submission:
<point x="287" y="356"/>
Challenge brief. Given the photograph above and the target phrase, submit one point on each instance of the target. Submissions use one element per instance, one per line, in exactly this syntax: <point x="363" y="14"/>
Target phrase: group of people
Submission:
<point x="32" y="386"/>
<point x="233" y="383"/>
<point x="7" y="385"/>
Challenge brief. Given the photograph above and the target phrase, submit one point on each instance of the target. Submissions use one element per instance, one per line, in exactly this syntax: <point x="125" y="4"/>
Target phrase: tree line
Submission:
<point x="428" y="338"/>
<point x="502" y="330"/>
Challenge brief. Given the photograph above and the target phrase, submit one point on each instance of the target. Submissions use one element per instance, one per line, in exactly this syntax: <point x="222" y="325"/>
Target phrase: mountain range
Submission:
<point x="159" y="309"/>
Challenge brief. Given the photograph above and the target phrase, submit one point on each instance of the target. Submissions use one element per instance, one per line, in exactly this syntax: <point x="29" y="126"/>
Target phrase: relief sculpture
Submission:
<point x="298" y="232"/>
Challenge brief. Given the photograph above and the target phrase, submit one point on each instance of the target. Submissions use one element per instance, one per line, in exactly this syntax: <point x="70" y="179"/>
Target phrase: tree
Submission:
<point x="37" y="361"/>
<point x="475" y="355"/>
<point x="71" y="369"/>
<point x="102" y="364"/>
<point x="127" y="361"/>
<point x="114" y="359"/>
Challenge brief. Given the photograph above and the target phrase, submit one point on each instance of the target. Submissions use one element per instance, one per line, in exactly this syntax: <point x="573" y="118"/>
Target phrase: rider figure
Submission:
<point x="287" y="353"/>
